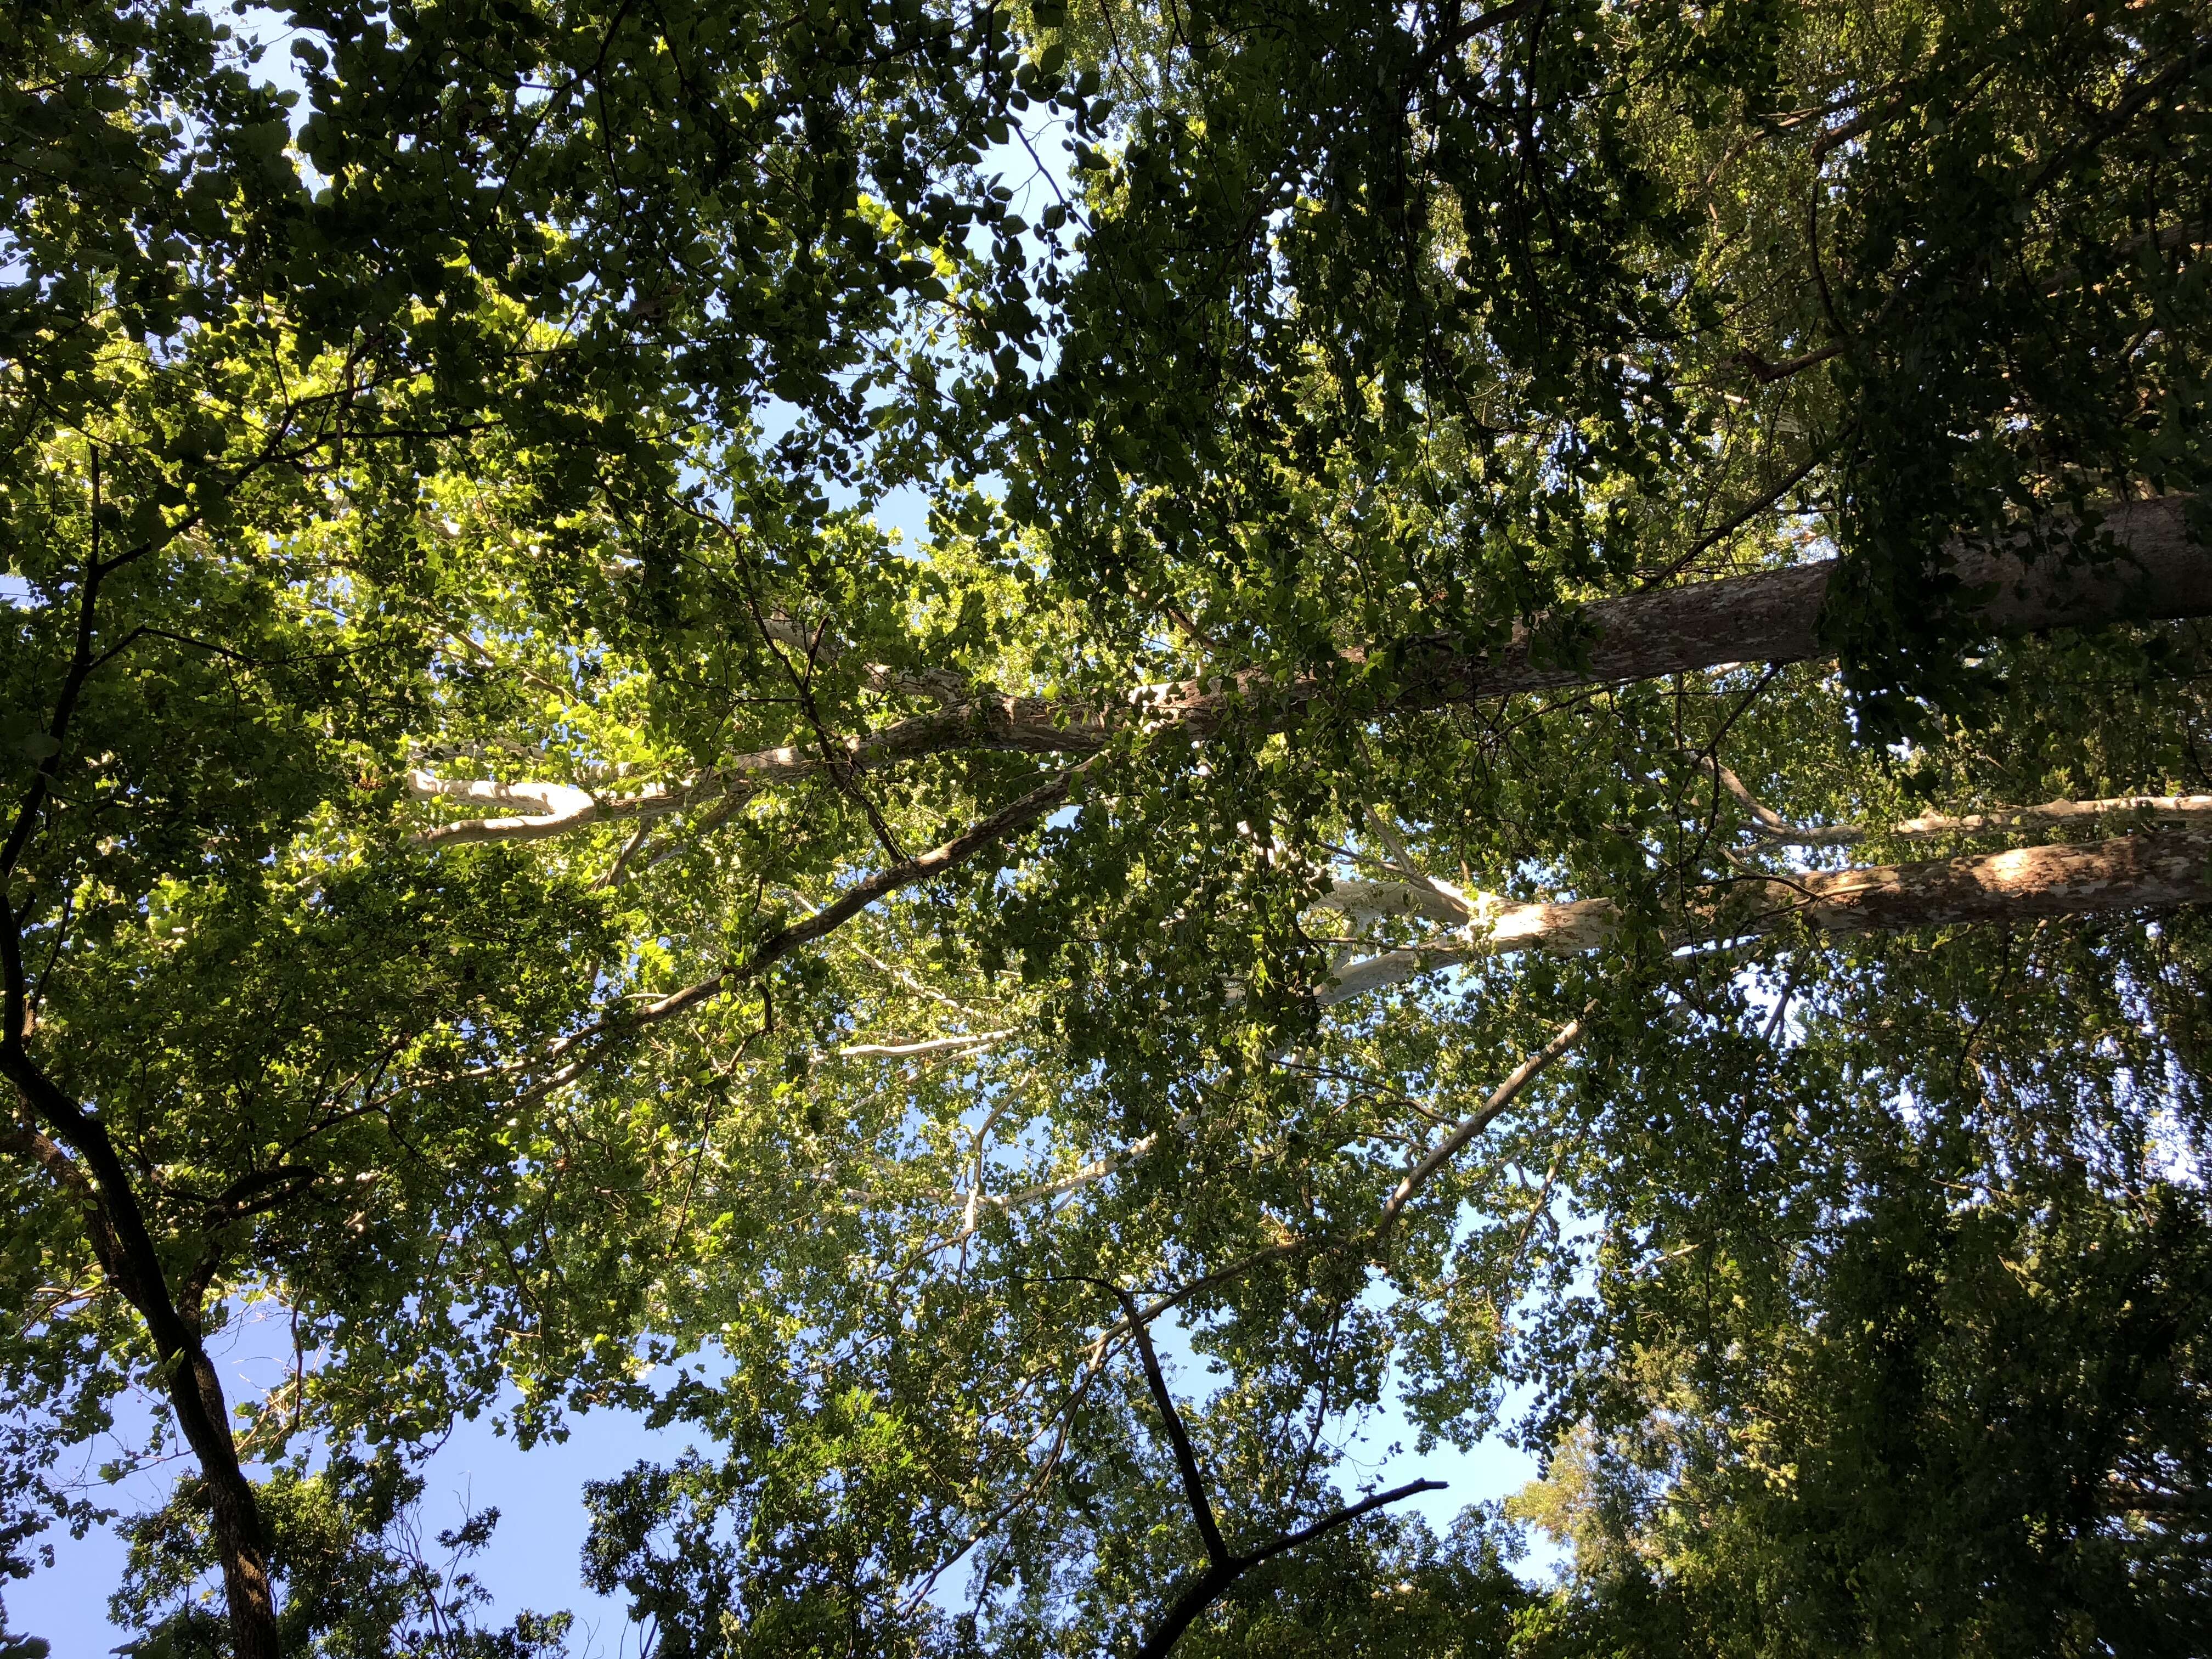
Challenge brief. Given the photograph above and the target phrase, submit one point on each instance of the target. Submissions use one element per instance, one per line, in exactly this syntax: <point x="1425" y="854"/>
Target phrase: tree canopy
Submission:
<point x="1548" y="740"/>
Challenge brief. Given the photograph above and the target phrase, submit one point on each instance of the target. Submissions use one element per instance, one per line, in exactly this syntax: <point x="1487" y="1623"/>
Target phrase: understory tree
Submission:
<point x="1540" y="732"/>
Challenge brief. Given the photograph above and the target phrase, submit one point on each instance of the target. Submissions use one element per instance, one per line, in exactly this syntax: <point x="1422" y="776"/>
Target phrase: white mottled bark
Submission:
<point x="554" y="809"/>
<point x="1995" y="820"/>
<point x="1565" y="928"/>
<point x="1381" y="901"/>
<point x="944" y="1045"/>
<point x="2025" y="884"/>
<point x="2144" y="809"/>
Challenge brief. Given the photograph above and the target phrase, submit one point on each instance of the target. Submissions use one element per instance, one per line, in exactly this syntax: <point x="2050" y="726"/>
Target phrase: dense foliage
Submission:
<point x="505" y="856"/>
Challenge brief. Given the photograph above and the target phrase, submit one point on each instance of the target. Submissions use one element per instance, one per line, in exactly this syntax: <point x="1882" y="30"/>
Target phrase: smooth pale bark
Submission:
<point x="1771" y="617"/>
<point x="2146" y="809"/>
<point x="1990" y="820"/>
<point x="2025" y="883"/>
<point x="923" y="1049"/>
<point x="553" y="809"/>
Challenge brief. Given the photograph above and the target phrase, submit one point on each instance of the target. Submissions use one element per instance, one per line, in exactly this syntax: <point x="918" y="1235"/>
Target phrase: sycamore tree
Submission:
<point x="1548" y="732"/>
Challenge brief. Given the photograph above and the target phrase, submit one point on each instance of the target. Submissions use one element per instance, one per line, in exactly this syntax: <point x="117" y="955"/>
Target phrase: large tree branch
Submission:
<point x="2025" y="884"/>
<point x="553" y="809"/>
<point x="1771" y="617"/>
<point x="115" y="1221"/>
<point x="1996" y="820"/>
<point x="25" y="1140"/>
<point x="1194" y="1483"/>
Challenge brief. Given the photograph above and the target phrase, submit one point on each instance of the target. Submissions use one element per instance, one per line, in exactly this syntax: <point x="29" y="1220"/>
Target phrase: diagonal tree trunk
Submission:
<point x="127" y="1255"/>
<point x="73" y="1145"/>
<point x="1771" y="617"/>
<point x="2139" y="872"/>
<point x="2025" y="883"/>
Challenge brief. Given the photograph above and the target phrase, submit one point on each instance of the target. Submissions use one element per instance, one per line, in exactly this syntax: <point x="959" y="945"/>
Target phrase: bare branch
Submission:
<point x="1562" y="927"/>
<point x="1193" y="1484"/>
<point x="1771" y="823"/>
<point x="1503" y="1095"/>
<point x="2144" y="809"/>
<point x="1371" y="901"/>
<point x="556" y="808"/>
<point x="620" y="867"/>
<point x="942" y="1045"/>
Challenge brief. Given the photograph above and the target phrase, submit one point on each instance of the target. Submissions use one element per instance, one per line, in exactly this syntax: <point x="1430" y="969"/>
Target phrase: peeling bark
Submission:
<point x="2025" y="883"/>
<point x="1773" y="617"/>
<point x="557" y="809"/>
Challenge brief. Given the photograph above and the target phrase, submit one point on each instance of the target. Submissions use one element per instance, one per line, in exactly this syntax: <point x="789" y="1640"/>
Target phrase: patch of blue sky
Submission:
<point x="534" y="1559"/>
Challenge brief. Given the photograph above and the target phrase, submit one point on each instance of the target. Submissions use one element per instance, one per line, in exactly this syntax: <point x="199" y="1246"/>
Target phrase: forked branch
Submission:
<point x="942" y="859"/>
<point x="1223" y="1566"/>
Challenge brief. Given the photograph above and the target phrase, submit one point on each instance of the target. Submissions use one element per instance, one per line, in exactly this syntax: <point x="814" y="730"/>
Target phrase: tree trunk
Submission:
<point x="1771" y="617"/>
<point x="2025" y="883"/>
<point x="195" y="1389"/>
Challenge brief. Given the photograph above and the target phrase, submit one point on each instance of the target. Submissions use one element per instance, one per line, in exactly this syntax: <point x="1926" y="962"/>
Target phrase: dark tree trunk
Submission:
<point x="127" y="1252"/>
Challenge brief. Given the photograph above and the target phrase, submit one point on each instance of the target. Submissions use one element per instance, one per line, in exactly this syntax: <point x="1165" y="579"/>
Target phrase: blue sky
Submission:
<point x="533" y="1557"/>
